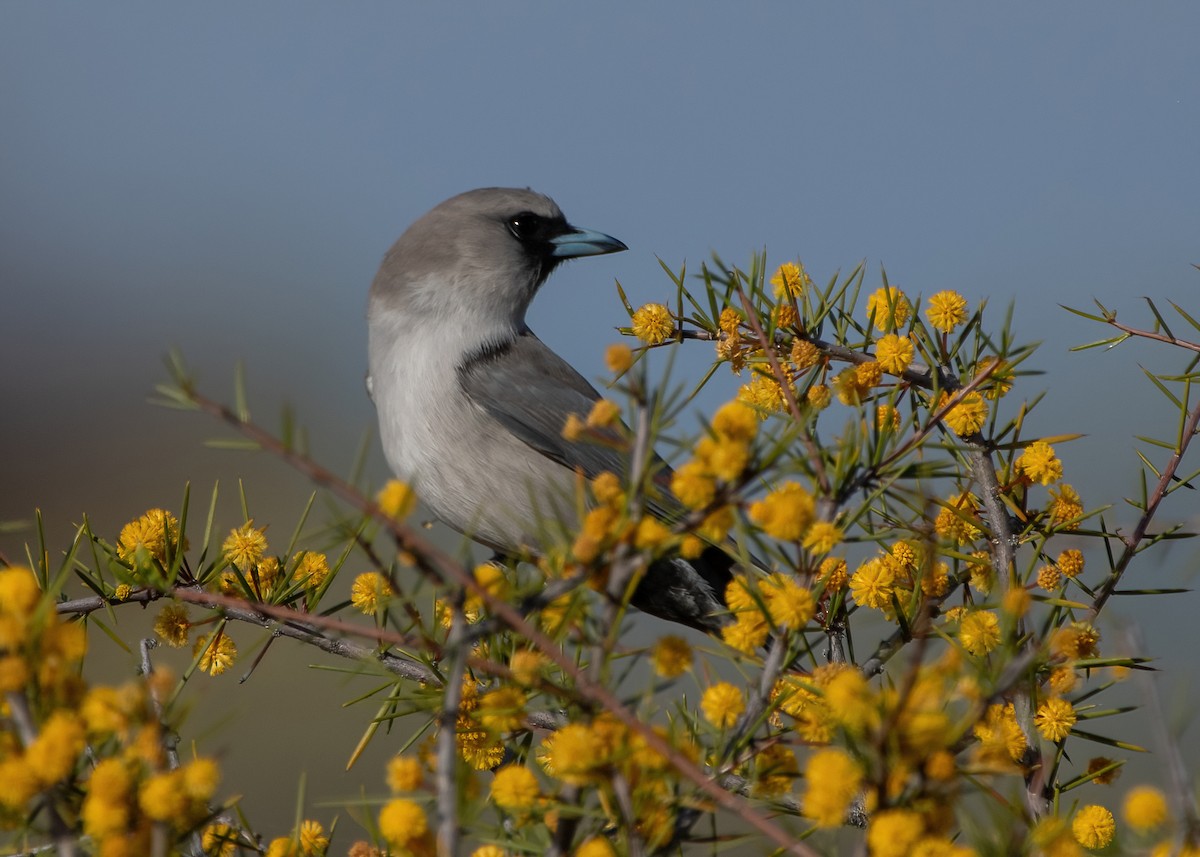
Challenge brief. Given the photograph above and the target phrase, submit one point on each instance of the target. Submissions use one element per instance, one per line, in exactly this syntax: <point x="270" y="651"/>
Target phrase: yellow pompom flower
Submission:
<point x="789" y="604"/>
<point x="603" y="413"/>
<point x="723" y="457"/>
<point x="763" y="393"/>
<point x="822" y="537"/>
<point x="1065" y="507"/>
<point x="722" y="704"/>
<point x="785" y="513"/>
<point x="804" y="354"/>
<point x="748" y="633"/>
<point x="979" y="632"/>
<point x="404" y="774"/>
<point x="818" y="397"/>
<point x="162" y="797"/>
<point x="313" y="840"/>
<point x="172" y="625"/>
<point x="894" y="353"/>
<point x="402" y="821"/>
<point x="775" y="771"/>
<point x="597" y="846"/>
<point x="216" y="656"/>
<point x="515" y="788"/>
<point x="245" y="545"/>
<point x="526" y="666"/>
<point x="200" y="778"/>
<point x="618" y="358"/>
<point x="736" y="420"/>
<point x="1093" y="827"/>
<point x="1070" y="563"/>
<point x="1039" y="463"/>
<point x="832" y="780"/>
<point x="889" y="308"/>
<point x="946" y="311"/>
<point x="872" y="585"/>
<point x="894" y="832"/>
<point x="156" y="531"/>
<point x="502" y="709"/>
<point x="1054" y="719"/>
<point x="790" y="280"/>
<point x="370" y="591"/>
<point x="312" y="569"/>
<point x="52" y="754"/>
<point x="652" y="323"/>
<point x="1049" y="578"/>
<point x="967" y="416"/>
<point x="396" y="499"/>
<point x="693" y="485"/>
<point x="573" y="753"/>
<point x="1145" y="808"/>
<point x="671" y="656"/>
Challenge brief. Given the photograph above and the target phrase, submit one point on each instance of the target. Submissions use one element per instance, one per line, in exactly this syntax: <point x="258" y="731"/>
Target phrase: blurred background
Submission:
<point x="224" y="179"/>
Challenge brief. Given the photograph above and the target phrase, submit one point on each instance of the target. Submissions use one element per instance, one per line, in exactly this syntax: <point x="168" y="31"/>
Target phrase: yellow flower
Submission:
<point x="217" y="655"/>
<point x="832" y="779"/>
<point x="156" y="531"/>
<point x="603" y="413"/>
<point x="526" y="666"/>
<point x="1054" y="719"/>
<point x="1145" y="808"/>
<point x="1000" y="735"/>
<point x="402" y="821"/>
<point x="722" y="704"/>
<point x="1049" y="577"/>
<point x="17" y="783"/>
<point x="312" y="569"/>
<point x="887" y="418"/>
<point x="889" y="308"/>
<point x="822" y="537"/>
<point x="1016" y="602"/>
<point x="481" y="851"/>
<point x="218" y="840"/>
<point x="894" y="353"/>
<point x="502" y="709"/>
<point x="832" y="573"/>
<point x="283" y="846"/>
<point x="1065" y="507"/>
<point x="775" y="771"/>
<point x="313" y="840"/>
<point x="872" y="585"/>
<point x="1093" y="827"/>
<point x="748" y="633"/>
<point x="763" y="393"/>
<point x="106" y="804"/>
<point x="172" y="625"/>
<point x="652" y="534"/>
<point x="1062" y="679"/>
<point x="784" y="316"/>
<point x="894" y="832"/>
<point x="789" y="604"/>
<point x="162" y="797"/>
<point x="790" y="280"/>
<point x="692" y="484"/>
<point x="946" y="310"/>
<point x="515" y="788"/>
<point x="850" y="388"/>
<point x="404" y="774"/>
<point x="672" y="656"/>
<point x="736" y="420"/>
<point x="573" y="753"/>
<point x="245" y="546"/>
<point x="785" y="513"/>
<point x="370" y="591"/>
<point x="818" y="396"/>
<point x="597" y="846"/>
<point x="1070" y="563"/>
<point x="618" y="358"/>
<point x="652" y="323"/>
<point x="52" y="754"/>
<point x="851" y="701"/>
<point x="967" y="416"/>
<point x="804" y="354"/>
<point x="979" y="632"/>
<point x="1075" y="641"/>
<point x="200" y="778"/>
<point x="723" y="457"/>
<point x="729" y="322"/>
<point x="1039" y="463"/>
<point x="396" y="499"/>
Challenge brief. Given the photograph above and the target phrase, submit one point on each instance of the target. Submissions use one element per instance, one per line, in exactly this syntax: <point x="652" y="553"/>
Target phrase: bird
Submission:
<point x="471" y="404"/>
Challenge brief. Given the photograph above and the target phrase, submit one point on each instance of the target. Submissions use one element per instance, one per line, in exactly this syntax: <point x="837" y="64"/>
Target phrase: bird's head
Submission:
<point x="479" y="258"/>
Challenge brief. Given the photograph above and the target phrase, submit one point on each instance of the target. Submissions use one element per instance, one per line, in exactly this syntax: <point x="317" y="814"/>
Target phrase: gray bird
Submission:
<point x="472" y="405"/>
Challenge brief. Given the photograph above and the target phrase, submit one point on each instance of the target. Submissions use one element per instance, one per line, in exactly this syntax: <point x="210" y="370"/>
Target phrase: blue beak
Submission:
<point x="584" y="242"/>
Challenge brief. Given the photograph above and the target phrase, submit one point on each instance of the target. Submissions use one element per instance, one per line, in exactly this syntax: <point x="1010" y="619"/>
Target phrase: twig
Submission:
<point x="447" y="742"/>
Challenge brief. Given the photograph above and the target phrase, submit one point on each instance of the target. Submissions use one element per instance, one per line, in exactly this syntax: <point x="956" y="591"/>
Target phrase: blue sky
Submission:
<point x="224" y="178"/>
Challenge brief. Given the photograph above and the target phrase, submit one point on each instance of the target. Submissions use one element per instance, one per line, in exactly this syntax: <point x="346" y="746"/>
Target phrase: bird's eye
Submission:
<point x="526" y="226"/>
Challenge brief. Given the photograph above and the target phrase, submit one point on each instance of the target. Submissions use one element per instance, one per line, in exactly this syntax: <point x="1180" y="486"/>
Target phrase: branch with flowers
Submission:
<point x="912" y="634"/>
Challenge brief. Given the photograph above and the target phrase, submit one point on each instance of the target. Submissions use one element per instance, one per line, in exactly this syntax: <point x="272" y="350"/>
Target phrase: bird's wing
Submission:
<point x="531" y="391"/>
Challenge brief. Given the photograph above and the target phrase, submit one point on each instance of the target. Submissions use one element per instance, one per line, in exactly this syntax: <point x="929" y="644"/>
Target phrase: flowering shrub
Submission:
<point x="911" y="631"/>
